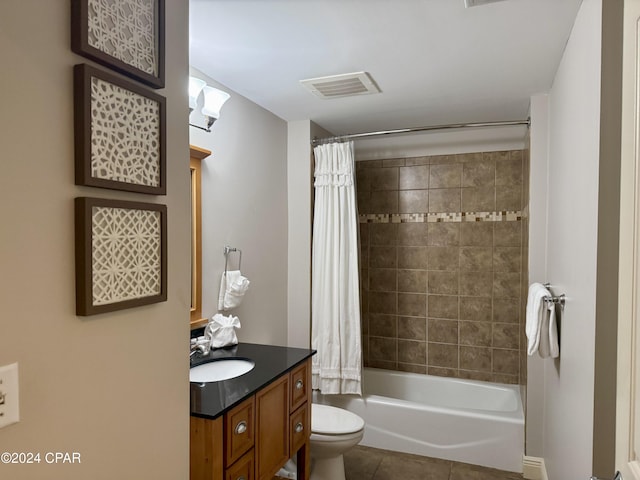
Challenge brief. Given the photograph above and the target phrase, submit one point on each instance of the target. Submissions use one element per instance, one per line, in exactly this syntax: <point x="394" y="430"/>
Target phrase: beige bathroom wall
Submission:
<point x="244" y="205"/>
<point x="111" y="387"/>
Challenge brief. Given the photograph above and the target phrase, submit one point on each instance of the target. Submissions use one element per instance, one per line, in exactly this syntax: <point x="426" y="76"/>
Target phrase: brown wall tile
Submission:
<point x="383" y="233"/>
<point x="475" y="358"/>
<point x="479" y="174"/>
<point x="383" y="302"/>
<point x="445" y="176"/>
<point x="507" y="259"/>
<point x="506" y="284"/>
<point x="383" y="325"/>
<point x="443" y="331"/>
<point x="443" y="282"/>
<point x="412" y="234"/>
<point x="412" y="304"/>
<point x="416" y="177"/>
<point x="478" y="199"/>
<point x="444" y="200"/>
<point x="475" y="334"/>
<point x="443" y="258"/>
<point x="475" y="308"/>
<point x="384" y="202"/>
<point x="383" y="257"/>
<point x="476" y="284"/>
<point x="411" y="368"/>
<point x="414" y="328"/>
<point x="442" y="355"/>
<point x="509" y="171"/>
<point x="417" y="161"/>
<point x="507" y="234"/>
<point x="412" y="281"/>
<point x="383" y="280"/>
<point x="443" y="234"/>
<point x="393" y="162"/>
<point x="477" y="234"/>
<point x="383" y="349"/>
<point x="384" y="179"/>
<point x="413" y="201"/>
<point x="505" y="361"/>
<point x="443" y="306"/>
<point x="364" y="201"/>
<point x="509" y="197"/>
<point x="506" y="310"/>
<point x="476" y="259"/>
<point x="506" y="335"/>
<point x="410" y="351"/>
<point x="413" y="257"/>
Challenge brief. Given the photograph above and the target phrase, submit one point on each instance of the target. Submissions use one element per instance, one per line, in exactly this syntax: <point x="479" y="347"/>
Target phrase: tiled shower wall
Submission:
<point x="441" y="259"/>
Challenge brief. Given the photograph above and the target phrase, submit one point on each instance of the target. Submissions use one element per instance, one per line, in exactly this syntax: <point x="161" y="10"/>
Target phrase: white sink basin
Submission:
<point x="218" y="370"/>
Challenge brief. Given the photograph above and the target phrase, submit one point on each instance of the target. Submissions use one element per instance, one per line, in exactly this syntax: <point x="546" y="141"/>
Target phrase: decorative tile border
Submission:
<point x="446" y="217"/>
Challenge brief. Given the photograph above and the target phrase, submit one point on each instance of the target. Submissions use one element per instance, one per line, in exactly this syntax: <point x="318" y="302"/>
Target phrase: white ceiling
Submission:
<point x="435" y="61"/>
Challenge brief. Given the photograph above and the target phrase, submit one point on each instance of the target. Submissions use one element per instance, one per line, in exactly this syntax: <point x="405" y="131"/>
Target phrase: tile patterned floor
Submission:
<point x="366" y="463"/>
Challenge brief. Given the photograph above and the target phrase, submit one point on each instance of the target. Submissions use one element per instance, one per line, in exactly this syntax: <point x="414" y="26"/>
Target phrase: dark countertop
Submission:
<point x="210" y="400"/>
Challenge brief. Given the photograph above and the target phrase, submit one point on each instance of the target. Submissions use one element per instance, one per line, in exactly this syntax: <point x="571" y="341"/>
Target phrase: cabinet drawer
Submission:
<point x="300" y="385"/>
<point x="243" y="469"/>
<point x="299" y="424"/>
<point x="239" y="430"/>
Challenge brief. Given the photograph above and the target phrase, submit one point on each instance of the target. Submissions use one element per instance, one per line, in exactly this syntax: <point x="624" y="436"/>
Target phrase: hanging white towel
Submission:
<point x="536" y="314"/>
<point x="233" y="286"/>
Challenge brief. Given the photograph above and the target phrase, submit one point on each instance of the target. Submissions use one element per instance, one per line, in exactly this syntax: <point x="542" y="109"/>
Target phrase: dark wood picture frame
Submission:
<point x="84" y="152"/>
<point x="80" y="44"/>
<point x="86" y="250"/>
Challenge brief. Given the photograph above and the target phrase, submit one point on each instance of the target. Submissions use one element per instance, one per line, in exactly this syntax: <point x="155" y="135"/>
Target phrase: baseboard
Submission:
<point x="533" y="468"/>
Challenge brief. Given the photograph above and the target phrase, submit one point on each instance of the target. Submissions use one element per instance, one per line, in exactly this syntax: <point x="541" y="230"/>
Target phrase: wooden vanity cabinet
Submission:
<point x="253" y="440"/>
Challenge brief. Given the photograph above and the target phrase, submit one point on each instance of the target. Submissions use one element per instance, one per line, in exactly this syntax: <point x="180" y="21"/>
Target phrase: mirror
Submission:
<point x="195" y="163"/>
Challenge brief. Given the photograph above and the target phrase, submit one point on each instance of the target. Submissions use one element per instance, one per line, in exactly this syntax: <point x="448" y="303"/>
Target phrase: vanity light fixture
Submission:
<point x="212" y="103"/>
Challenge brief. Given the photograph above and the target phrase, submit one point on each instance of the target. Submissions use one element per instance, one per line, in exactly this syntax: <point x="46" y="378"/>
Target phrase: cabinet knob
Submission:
<point x="241" y="427"/>
<point x="299" y="427"/>
<point x="299" y="385"/>
<point x="241" y="477"/>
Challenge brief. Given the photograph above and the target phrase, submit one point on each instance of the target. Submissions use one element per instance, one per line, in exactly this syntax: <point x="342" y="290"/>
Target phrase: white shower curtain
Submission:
<point x="335" y="292"/>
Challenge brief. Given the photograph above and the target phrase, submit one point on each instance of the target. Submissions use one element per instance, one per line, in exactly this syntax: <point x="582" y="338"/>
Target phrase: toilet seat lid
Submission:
<point x="329" y="420"/>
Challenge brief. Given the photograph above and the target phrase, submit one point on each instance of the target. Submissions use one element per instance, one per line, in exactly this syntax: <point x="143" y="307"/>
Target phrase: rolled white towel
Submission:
<point x="233" y="286"/>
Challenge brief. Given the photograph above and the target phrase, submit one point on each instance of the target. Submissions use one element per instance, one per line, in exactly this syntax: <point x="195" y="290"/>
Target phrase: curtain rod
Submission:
<point x="342" y="138"/>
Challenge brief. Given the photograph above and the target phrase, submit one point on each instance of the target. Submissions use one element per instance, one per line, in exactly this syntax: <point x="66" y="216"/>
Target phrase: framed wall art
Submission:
<point x="120" y="133"/>
<point x="121" y="254"/>
<point x="125" y="35"/>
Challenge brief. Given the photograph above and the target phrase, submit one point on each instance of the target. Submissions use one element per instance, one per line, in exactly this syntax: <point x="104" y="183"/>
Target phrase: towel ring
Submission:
<point x="227" y="251"/>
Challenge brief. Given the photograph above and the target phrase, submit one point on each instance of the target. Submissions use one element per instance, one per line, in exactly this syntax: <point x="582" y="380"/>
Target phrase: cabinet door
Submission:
<point x="205" y="446"/>
<point x="272" y="428"/>
<point x="239" y="430"/>
<point x="243" y="469"/>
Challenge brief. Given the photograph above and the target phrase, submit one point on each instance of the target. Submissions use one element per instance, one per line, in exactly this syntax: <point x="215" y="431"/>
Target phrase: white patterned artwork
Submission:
<point x="120" y="130"/>
<point x="125" y="29"/>
<point x="125" y="35"/>
<point x="120" y="254"/>
<point x="125" y="133"/>
<point x="126" y="254"/>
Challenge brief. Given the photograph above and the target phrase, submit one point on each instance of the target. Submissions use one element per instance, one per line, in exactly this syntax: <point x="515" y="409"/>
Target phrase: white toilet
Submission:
<point x="333" y="432"/>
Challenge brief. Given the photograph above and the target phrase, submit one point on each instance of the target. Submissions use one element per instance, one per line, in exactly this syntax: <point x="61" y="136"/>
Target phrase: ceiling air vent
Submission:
<point x="347" y="84"/>
<point x="477" y="3"/>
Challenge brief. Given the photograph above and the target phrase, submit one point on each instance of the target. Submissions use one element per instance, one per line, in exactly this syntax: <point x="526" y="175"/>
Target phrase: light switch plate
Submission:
<point x="9" y="403"/>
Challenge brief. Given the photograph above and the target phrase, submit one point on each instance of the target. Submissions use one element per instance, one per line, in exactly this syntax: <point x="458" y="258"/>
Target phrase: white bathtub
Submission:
<point x="461" y="420"/>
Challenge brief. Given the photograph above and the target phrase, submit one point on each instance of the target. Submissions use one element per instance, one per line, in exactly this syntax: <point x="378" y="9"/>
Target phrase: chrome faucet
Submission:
<point x="202" y="349"/>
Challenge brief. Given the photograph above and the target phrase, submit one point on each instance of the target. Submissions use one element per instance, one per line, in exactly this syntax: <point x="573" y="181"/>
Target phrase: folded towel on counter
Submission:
<point x="233" y="286"/>
<point x="222" y="331"/>
<point x="540" y="327"/>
